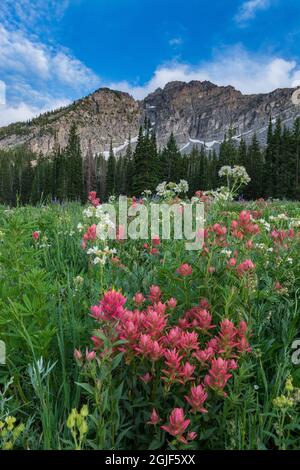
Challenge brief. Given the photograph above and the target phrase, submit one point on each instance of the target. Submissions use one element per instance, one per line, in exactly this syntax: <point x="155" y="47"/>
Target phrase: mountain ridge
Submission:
<point x="198" y="113"/>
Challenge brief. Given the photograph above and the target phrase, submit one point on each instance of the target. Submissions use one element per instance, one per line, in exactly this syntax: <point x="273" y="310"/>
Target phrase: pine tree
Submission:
<point x="129" y="168"/>
<point x="75" y="166"/>
<point x="171" y="161"/>
<point x="111" y="173"/>
<point x="89" y="170"/>
<point x="269" y="163"/>
<point x="138" y="165"/>
<point x="254" y="168"/>
<point x="101" y="172"/>
<point x="295" y="160"/>
<point x="228" y="154"/>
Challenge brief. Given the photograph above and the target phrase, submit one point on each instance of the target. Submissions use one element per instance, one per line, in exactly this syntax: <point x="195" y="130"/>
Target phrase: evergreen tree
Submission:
<point x="89" y="171"/>
<point x="254" y="168"/>
<point x="171" y="161"/>
<point x="269" y="163"/>
<point x="74" y="166"/>
<point x="128" y="168"/>
<point x="111" y="173"/>
<point x="294" y="160"/>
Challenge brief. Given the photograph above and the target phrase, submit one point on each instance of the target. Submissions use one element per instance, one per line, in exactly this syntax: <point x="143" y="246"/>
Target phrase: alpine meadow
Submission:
<point x="149" y="228"/>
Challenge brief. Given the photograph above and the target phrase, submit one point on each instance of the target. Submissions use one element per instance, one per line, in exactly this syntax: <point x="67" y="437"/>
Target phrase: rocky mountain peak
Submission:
<point x="198" y="113"/>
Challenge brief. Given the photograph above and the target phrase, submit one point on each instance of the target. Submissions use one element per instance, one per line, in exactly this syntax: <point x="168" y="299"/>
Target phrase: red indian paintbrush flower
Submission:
<point x="36" y="235"/>
<point x="154" y="418"/>
<point x="138" y="298"/>
<point x="196" y="398"/>
<point x="112" y="304"/>
<point x="177" y="423"/>
<point x="172" y="303"/>
<point x="93" y="199"/>
<point x="245" y="266"/>
<point x="218" y="376"/>
<point x="185" y="270"/>
<point x="155" y="293"/>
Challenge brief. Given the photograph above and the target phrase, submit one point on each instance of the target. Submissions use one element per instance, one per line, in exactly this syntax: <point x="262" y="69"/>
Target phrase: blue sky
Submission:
<point x="55" y="51"/>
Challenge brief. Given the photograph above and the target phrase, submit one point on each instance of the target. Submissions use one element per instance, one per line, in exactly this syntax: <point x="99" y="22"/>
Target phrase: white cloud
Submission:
<point x="234" y="66"/>
<point x="175" y="42"/>
<point x="21" y="55"/>
<point x="24" y="111"/>
<point x="2" y="93"/>
<point x="249" y="9"/>
<point x="39" y="74"/>
<point x="38" y="77"/>
<point x="31" y="14"/>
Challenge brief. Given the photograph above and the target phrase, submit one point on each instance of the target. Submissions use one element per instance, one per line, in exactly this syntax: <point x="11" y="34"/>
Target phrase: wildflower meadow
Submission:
<point x="135" y="344"/>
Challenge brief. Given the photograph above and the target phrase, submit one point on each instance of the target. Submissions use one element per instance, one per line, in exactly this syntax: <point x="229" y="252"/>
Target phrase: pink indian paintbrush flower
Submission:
<point x="172" y="303"/>
<point x="112" y="304"/>
<point x="191" y="436"/>
<point x="147" y="347"/>
<point x="155" y="293"/>
<point x="196" y="398"/>
<point x="185" y="270"/>
<point x="146" y="378"/>
<point x="90" y="234"/>
<point x="278" y="286"/>
<point x="98" y="342"/>
<point x="120" y="233"/>
<point x="155" y="240"/>
<point x="138" y="298"/>
<point x="78" y="355"/>
<point x="218" y="375"/>
<point x="186" y="373"/>
<point x="219" y="230"/>
<point x="36" y="235"/>
<point x="231" y="262"/>
<point x="172" y="337"/>
<point x="93" y="199"/>
<point x="202" y="319"/>
<point x="204" y="355"/>
<point x="189" y="341"/>
<point x="245" y="266"/>
<point x="90" y="355"/>
<point x="96" y="312"/>
<point x="172" y="359"/>
<point x="154" y="418"/>
<point x="155" y="322"/>
<point x="204" y="303"/>
<point x="177" y="423"/>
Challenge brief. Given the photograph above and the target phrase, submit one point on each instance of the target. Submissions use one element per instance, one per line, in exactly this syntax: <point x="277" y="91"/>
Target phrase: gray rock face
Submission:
<point x="201" y="112"/>
<point x="196" y="112"/>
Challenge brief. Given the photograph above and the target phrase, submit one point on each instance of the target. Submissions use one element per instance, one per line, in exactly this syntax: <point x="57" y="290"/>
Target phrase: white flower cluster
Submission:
<point x="225" y="171"/>
<point x="168" y="190"/>
<point x="220" y="194"/>
<point x="294" y="223"/>
<point x="226" y="252"/>
<point x="279" y="217"/>
<point x="89" y="212"/>
<point x="236" y="173"/>
<point x="264" y="247"/>
<point x="182" y="187"/>
<point x="104" y="222"/>
<point x="265" y="224"/>
<point x="101" y="255"/>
